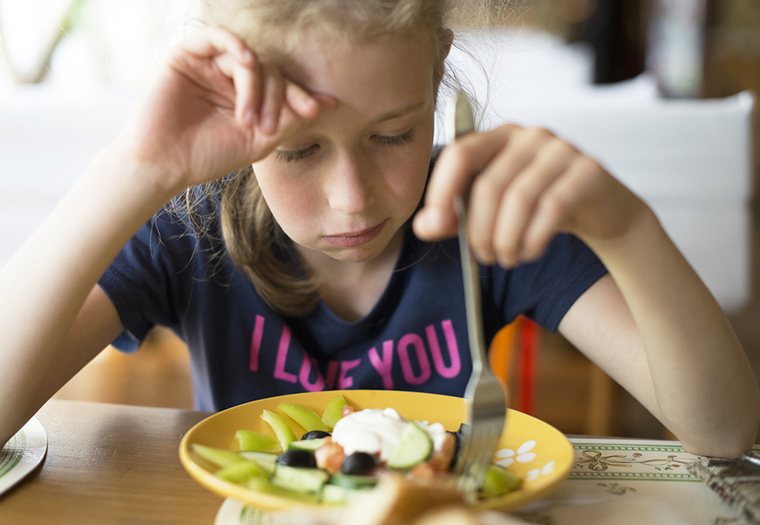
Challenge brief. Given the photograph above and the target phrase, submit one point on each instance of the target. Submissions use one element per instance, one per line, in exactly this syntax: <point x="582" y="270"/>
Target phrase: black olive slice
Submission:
<point x="315" y="434"/>
<point x="297" y="458"/>
<point x="358" y="463"/>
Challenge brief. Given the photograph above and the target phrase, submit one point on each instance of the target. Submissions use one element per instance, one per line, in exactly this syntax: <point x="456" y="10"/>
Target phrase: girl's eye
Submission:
<point x="298" y="154"/>
<point x="395" y="140"/>
<point x="294" y="155"/>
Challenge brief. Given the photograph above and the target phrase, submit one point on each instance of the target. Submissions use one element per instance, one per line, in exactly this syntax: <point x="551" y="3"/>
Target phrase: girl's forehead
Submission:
<point x="382" y="75"/>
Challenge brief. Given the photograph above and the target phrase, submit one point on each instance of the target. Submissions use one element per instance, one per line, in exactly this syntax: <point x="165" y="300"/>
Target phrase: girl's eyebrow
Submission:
<point x="396" y="113"/>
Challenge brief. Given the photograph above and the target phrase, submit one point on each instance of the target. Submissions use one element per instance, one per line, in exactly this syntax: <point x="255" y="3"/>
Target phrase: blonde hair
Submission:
<point x="251" y="236"/>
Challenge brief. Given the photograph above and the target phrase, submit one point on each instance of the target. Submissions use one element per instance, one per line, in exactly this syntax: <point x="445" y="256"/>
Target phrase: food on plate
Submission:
<point x="281" y="429"/>
<point x="343" y="453"/>
<point x="250" y="440"/>
<point x="305" y="417"/>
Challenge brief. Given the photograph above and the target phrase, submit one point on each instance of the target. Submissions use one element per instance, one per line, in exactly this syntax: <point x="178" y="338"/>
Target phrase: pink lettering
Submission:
<point x="319" y="383"/>
<point x="344" y="381"/>
<point x="332" y="373"/>
<point x="258" y="333"/>
<point x="383" y="366"/>
<point x="456" y="365"/>
<point x="406" y="364"/>
<point x="282" y="357"/>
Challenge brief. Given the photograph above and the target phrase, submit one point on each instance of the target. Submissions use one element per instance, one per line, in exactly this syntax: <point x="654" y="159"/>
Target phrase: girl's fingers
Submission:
<point x="261" y="91"/>
<point x="273" y="96"/>
<point x="236" y="61"/>
<point x="524" y="196"/>
<point x="518" y="204"/>
<point x="488" y="188"/>
<point x="214" y="41"/>
<point x="457" y="165"/>
<point x="303" y="103"/>
<point x="555" y="207"/>
<point x="246" y="81"/>
<point x="289" y="121"/>
<point x="260" y="88"/>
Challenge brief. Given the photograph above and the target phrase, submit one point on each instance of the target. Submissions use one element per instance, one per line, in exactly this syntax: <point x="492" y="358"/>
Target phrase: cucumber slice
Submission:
<point x="217" y="456"/>
<point x="299" y="479"/>
<point x="348" y="481"/>
<point x="307" y="444"/>
<point x="335" y="495"/>
<point x="266" y="486"/>
<point x="332" y="412"/>
<point x="415" y="446"/>
<point x="304" y="416"/>
<point x="242" y="472"/>
<point x="250" y="440"/>
<point x="499" y="481"/>
<point x="281" y="429"/>
<point x="264" y="459"/>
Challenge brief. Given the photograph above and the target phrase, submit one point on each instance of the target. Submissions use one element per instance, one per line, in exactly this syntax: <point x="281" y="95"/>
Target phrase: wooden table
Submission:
<point x="111" y="464"/>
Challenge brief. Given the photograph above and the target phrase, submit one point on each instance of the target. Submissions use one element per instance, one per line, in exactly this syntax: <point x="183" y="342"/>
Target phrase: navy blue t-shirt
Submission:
<point x="415" y="338"/>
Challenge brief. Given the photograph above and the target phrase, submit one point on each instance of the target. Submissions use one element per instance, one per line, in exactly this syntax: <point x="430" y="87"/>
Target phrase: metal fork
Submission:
<point x="485" y="399"/>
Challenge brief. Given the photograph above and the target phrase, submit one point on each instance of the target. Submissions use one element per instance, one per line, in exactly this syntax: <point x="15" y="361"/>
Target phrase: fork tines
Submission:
<point x="487" y="414"/>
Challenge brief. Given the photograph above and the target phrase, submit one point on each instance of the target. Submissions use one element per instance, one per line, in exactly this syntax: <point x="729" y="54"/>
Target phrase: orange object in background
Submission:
<point x="520" y="336"/>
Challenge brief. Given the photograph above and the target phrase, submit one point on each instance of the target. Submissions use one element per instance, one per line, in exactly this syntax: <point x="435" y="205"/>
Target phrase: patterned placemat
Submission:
<point x="21" y="455"/>
<point x="631" y="481"/>
<point x="629" y="460"/>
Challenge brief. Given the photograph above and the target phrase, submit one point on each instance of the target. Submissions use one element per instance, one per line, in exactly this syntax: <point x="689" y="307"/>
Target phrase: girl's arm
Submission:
<point x="214" y="109"/>
<point x="46" y="283"/>
<point x="651" y="324"/>
<point x="700" y="383"/>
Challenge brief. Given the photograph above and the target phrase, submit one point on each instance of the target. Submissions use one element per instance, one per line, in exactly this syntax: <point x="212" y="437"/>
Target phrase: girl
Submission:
<point x="314" y="265"/>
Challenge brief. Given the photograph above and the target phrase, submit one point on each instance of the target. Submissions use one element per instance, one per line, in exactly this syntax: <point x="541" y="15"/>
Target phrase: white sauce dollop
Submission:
<point x="378" y="431"/>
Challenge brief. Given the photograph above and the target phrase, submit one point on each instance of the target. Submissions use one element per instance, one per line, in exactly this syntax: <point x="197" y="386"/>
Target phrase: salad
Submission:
<point x="342" y="453"/>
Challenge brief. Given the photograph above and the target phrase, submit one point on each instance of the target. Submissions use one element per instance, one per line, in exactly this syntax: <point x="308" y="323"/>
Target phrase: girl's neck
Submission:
<point x="350" y="289"/>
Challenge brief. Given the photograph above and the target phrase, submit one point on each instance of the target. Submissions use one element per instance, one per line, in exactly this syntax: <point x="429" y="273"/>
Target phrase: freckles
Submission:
<point x="293" y="206"/>
<point x="409" y="181"/>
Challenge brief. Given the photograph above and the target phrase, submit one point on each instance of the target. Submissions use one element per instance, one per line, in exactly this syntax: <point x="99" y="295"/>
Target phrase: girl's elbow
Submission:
<point x="731" y="449"/>
<point x="728" y="440"/>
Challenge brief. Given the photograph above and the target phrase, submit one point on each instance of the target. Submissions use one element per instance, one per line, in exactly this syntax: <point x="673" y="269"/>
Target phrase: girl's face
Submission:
<point x="342" y="187"/>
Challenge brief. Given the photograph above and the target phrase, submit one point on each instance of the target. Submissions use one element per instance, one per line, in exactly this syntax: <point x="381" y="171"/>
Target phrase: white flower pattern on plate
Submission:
<point x="534" y="473"/>
<point x="523" y="454"/>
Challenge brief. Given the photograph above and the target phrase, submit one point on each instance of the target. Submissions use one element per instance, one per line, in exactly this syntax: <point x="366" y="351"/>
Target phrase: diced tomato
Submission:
<point x="441" y="458"/>
<point x="330" y="456"/>
<point x="438" y="464"/>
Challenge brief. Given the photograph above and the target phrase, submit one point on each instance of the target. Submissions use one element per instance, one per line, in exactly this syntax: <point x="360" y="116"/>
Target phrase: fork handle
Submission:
<point x="471" y="277"/>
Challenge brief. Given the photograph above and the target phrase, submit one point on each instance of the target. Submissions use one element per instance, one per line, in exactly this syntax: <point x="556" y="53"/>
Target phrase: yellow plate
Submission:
<point x="537" y="452"/>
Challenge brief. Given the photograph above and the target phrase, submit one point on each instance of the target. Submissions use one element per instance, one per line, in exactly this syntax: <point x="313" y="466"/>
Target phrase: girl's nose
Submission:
<point x="349" y="187"/>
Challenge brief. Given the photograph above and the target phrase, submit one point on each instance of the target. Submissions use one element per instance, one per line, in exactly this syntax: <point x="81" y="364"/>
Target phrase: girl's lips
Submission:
<point x="349" y="240"/>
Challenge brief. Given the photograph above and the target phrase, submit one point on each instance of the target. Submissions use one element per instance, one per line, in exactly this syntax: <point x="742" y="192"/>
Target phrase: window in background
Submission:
<point x="85" y="43"/>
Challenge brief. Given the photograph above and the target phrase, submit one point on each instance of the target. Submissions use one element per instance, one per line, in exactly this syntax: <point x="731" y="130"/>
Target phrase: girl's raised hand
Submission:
<point x="526" y="185"/>
<point x="216" y="108"/>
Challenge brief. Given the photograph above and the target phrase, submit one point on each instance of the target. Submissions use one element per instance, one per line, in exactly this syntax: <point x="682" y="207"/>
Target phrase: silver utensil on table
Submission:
<point x="485" y="400"/>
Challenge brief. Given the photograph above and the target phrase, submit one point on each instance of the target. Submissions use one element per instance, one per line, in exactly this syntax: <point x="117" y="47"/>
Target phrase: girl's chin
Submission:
<point x="327" y="253"/>
<point x="361" y="254"/>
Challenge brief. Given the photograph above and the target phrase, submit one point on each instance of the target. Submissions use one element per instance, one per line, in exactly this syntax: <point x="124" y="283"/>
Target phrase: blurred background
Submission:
<point x="661" y="91"/>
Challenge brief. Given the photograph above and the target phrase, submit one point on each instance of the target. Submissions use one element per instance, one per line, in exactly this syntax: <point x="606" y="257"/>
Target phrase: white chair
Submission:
<point x="690" y="160"/>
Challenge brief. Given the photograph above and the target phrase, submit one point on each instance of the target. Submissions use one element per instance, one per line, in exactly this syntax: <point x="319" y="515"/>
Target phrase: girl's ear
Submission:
<point x="447" y="38"/>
